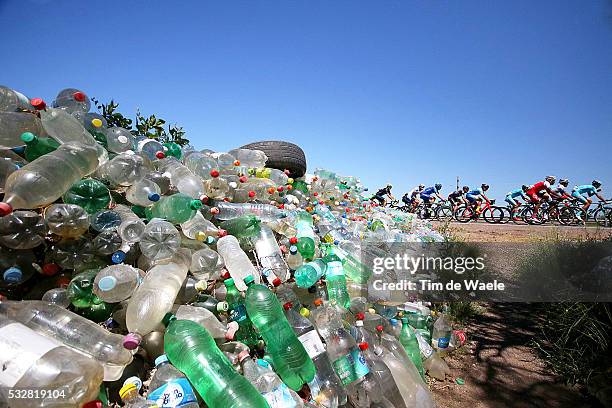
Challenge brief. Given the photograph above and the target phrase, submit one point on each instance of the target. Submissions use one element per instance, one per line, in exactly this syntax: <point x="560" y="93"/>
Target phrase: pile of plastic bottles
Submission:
<point x="153" y="275"/>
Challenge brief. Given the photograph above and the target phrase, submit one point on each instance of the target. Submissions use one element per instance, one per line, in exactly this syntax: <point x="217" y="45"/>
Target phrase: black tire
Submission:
<point x="602" y="217"/>
<point x="444" y="212"/>
<point x="494" y="215"/>
<point x="282" y="156"/>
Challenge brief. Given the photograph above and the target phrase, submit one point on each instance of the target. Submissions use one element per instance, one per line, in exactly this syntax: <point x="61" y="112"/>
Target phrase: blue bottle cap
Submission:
<point x="153" y="197"/>
<point x="118" y="257"/>
<point x="293" y="249"/>
<point x="12" y="274"/>
<point x="263" y="363"/>
<point x="107" y="283"/>
<point x="393" y="322"/>
<point x="160" y="360"/>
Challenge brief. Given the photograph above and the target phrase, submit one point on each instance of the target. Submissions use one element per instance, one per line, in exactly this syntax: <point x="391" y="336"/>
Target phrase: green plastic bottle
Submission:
<point x="289" y="358"/>
<point x="177" y="208"/>
<point x="306" y="244"/>
<point x="411" y="345"/>
<point x="243" y="226"/>
<point x="238" y="313"/>
<point x="37" y="146"/>
<point x="336" y="281"/>
<point x="90" y="194"/>
<point x="192" y="350"/>
<point x="85" y="302"/>
<point x="174" y="150"/>
<point x="308" y="274"/>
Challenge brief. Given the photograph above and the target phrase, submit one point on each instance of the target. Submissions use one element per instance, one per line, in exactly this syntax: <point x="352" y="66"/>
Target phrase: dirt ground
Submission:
<point x="497" y="364"/>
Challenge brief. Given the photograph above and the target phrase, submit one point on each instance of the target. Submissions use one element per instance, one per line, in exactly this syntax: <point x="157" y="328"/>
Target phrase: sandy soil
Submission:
<point x="497" y="363"/>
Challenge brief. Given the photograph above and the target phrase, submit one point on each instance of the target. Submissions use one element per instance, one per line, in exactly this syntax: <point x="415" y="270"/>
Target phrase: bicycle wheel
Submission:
<point x="464" y="214"/>
<point x="530" y="217"/>
<point x="602" y="217"/>
<point x="493" y="215"/>
<point x="568" y="215"/>
<point x="444" y="213"/>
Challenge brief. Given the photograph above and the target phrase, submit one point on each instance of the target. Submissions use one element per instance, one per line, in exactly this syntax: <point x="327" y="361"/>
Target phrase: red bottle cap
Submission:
<point x="360" y="316"/>
<point x="93" y="404"/>
<point x="289" y="187"/>
<point x="5" y="209"/>
<point x="287" y="305"/>
<point x="293" y="240"/>
<point x="363" y="346"/>
<point x="251" y="194"/>
<point x="214" y="173"/>
<point x="160" y="155"/>
<point x="38" y="103"/>
<point x="50" y="269"/>
<point x="221" y="233"/>
<point x="276" y="282"/>
<point x="379" y="328"/>
<point x="79" y="96"/>
<point x="236" y="162"/>
<point x="243" y="179"/>
<point x="279" y="189"/>
<point x="214" y="210"/>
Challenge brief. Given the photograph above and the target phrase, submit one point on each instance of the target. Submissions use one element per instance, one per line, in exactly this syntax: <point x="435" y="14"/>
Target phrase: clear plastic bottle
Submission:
<point x="11" y="100"/>
<point x="265" y="212"/>
<point x="268" y="383"/>
<point x="169" y="387"/>
<point x="47" y="178"/>
<point x="200" y="164"/>
<point x="154" y="298"/>
<point x="106" y="242"/>
<point x="132" y="399"/>
<point x="67" y="220"/>
<point x="432" y="363"/>
<point x="199" y="228"/>
<point x="441" y="334"/>
<point x="236" y="261"/>
<point x="250" y="158"/>
<point x="294" y="258"/>
<point x="205" y="318"/>
<point x="325" y="387"/>
<point x="119" y="140"/>
<point x="143" y="192"/>
<point x="177" y="208"/>
<point x="216" y="187"/>
<point x="160" y="240"/>
<point x="72" y="100"/>
<point x="148" y="147"/>
<point x="132" y="227"/>
<point x="117" y="282"/>
<point x="123" y="170"/>
<point x="57" y="296"/>
<point x="181" y="177"/>
<point x="14" y="124"/>
<point x="289" y="357"/>
<point x="192" y="350"/>
<point x="72" y="330"/>
<point x="22" y="230"/>
<point x="270" y="256"/>
<point x="205" y="264"/>
<point x="31" y="360"/>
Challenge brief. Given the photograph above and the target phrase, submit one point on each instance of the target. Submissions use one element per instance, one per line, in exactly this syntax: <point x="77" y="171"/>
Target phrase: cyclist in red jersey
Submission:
<point x="540" y="191"/>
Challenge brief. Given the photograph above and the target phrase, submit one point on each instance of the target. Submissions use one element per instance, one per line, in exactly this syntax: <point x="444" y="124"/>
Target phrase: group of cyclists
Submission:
<point x="536" y="194"/>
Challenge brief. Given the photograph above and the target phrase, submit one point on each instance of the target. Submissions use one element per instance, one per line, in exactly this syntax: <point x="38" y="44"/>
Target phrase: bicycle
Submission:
<point x="490" y="213"/>
<point x="600" y="214"/>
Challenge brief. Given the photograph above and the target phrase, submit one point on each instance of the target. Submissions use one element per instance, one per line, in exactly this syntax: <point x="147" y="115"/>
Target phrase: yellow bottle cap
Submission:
<point x="304" y="312"/>
<point x="126" y="389"/>
<point x="96" y="122"/>
<point x="200" y="236"/>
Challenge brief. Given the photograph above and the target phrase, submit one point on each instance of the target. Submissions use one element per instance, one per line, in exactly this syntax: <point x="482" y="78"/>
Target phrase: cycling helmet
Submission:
<point x="421" y="186"/>
<point x="551" y="179"/>
<point x="466" y="188"/>
<point x="484" y="186"/>
<point x="525" y="187"/>
<point x="596" y="183"/>
<point x="389" y="185"/>
<point x="438" y="186"/>
<point x="564" y="182"/>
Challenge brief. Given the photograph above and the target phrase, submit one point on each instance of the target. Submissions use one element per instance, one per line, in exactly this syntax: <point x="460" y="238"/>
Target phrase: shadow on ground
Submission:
<point x="500" y="368"/>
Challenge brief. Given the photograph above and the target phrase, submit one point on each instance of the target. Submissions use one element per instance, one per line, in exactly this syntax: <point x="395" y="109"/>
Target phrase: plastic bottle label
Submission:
<point x="238" y="314"/>
<point x="312" y="343"/>
<point x="351" y="367"/>
<point x="21" y="348"/>
<point x="176" y="393"/>
<point x="443" y="342"/>
<point x="280" y="397"/>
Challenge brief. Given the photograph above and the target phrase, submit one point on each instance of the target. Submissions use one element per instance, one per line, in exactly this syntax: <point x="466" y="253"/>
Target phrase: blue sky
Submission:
<point x="399" y="91"/>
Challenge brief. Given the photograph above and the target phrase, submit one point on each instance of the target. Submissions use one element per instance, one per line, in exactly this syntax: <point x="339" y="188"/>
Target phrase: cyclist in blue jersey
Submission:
<point x="584" y="193"/>
<point x="475" y="197"/>
<point x="429" y="194"/>
<point x="513" y="196"/>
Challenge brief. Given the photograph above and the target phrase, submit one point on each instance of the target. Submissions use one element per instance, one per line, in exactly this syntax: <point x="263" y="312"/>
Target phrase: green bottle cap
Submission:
<point x="404" y="320"/>
<point x="248" y="280"/>
<point x="169" y="317"/>
<point x="229" y="282"/>
<point x="28" y="137"/>
<point x="195" y="204"/>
